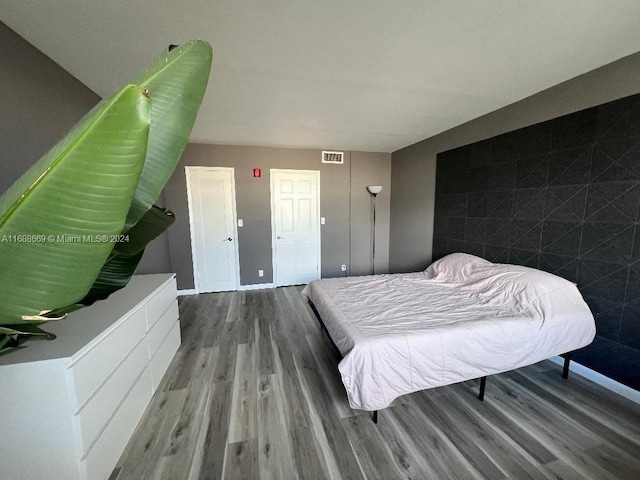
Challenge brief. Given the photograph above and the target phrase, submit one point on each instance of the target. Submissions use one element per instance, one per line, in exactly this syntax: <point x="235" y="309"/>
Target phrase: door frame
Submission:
<point x="274" y="265"/>
<point x="194" y="259"/>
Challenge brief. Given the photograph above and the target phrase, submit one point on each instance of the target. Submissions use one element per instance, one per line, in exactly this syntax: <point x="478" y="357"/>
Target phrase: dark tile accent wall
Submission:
<point x="562" y="196"/>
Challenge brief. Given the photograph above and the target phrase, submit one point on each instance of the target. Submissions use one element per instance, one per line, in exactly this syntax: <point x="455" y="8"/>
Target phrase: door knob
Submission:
<point x="279" y="237"/>
<point x="228" y="239"/>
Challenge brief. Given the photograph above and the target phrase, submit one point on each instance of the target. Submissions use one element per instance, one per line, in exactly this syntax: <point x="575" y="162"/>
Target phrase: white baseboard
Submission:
<point x="190" y="291"/>
<point x="256" y="286"/>
<point x="602" y="380"/>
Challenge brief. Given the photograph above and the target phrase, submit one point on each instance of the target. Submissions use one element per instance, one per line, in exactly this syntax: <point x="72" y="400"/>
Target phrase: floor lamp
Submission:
<point x="374" y="190"/>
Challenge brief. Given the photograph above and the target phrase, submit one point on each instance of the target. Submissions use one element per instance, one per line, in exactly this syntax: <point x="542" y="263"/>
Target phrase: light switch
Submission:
<point x="321" y="220"/>
<point x="240" y="224"/>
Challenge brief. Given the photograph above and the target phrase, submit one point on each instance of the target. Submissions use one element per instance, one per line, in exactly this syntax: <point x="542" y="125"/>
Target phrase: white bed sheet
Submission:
<point x="407" y="332"/>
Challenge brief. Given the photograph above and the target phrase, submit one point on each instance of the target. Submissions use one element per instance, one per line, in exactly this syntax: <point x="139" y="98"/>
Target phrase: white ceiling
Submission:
<point x="373" y="75"/>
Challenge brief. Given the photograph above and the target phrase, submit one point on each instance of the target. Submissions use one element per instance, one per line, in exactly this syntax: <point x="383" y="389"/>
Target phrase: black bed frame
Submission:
<point x="483" y="380"/>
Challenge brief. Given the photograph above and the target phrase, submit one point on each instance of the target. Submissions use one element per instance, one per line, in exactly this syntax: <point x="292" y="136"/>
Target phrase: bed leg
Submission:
<point x="323" y="328"/>
<point x="565" y="367"/>
<point x="483" y="384"/>
<point x="375" y="416"/>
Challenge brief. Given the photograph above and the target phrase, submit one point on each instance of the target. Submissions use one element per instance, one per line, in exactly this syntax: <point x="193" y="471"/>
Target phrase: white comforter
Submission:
<point x="462" y="318"/>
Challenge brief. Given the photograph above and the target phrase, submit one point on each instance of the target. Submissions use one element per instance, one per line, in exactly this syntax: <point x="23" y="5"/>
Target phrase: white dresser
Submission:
<point x="69" y="406"/>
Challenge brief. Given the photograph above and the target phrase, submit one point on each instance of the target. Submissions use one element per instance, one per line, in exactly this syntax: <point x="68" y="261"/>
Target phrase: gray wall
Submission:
<point x="413" y="168"/>
<point x="40" y="102"/>
<point x="344" y="202"/>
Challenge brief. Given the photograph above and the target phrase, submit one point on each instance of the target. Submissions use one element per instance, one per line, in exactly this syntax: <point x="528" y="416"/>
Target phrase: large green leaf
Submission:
<point x="115" y="274"/>
<point x="58" y="221"/>
<point x="154" y="222"/>
<point x="127" y="253"/>
<point x="176" y="82"/>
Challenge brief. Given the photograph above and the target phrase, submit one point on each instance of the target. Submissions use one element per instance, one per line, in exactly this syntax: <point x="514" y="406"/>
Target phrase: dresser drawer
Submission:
<point x="86" y="391"/>
<point x="168" y="348"/>
<point x="105" y="453"/>
<point x="95" y="415"/>
<point x="93" y="368"/>
<point x="162" y="327"/>
<point x="159" y="303"/>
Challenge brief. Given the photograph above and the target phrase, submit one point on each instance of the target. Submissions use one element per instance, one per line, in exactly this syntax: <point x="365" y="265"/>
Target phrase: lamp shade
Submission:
<point x="374" y="189"/>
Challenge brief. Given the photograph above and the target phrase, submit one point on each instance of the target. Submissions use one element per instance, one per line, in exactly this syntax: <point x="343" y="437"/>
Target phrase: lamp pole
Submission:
<point x="374" y="190"/>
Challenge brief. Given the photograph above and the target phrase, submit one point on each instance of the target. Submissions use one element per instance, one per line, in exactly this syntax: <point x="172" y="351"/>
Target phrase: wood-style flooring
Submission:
<point x="254" y="392"/>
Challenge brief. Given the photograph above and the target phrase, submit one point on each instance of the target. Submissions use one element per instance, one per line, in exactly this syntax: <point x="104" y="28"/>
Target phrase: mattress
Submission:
<point x="461" y="318"/>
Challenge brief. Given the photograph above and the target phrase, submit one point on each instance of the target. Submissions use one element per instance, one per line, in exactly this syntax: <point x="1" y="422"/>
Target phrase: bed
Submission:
<point x="462" y="318"/>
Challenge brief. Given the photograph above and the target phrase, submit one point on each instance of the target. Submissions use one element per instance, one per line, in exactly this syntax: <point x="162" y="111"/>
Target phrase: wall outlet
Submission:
<point x="344" y="268"/>
<point x="261" y="273"/>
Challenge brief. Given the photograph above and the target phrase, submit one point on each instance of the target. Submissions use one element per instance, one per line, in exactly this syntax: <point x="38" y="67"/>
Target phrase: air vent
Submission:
<point x="332" y="157"/>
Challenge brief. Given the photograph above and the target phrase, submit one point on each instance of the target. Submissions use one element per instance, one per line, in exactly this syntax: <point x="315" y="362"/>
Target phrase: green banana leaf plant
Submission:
<point x="74" y="227"/>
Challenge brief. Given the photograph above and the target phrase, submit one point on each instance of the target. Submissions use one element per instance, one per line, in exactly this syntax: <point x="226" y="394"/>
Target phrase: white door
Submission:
<point x="212" y="215"/>
<point x="295" y="212"/>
